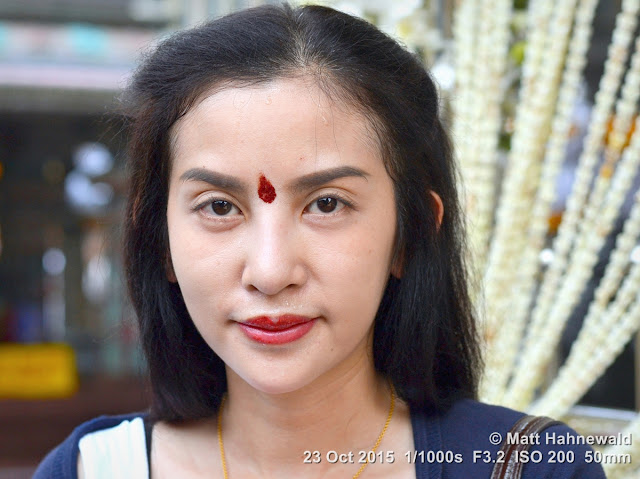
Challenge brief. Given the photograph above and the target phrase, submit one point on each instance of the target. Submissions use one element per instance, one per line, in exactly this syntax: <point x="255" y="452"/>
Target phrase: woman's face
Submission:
<point x="281" y="220"/>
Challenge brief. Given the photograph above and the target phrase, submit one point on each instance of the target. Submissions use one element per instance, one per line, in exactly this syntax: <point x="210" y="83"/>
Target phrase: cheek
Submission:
<point x="201" y="266"/>
<point x="356" y="265"/>
<point x="203" y="282"/>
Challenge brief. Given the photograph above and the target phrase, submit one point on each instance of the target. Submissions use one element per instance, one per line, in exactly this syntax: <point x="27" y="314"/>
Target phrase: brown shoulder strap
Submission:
<point x="527" y="425"/>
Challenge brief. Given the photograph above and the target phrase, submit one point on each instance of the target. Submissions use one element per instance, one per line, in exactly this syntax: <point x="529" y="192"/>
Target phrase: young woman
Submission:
<point x="294" y="252"/>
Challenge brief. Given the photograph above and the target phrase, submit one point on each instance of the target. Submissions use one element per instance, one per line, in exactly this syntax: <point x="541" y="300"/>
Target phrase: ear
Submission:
<point x="397" y="267"/>
<point x="438" y="207"/>
<point x="168" y="269"/>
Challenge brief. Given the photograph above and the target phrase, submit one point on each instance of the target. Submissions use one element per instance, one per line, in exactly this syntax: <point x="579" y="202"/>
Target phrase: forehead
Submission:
<point x="238" y="115"/>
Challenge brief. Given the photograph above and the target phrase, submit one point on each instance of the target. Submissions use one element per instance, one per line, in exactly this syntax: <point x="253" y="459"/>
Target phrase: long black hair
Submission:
<point x="425" y="339"/>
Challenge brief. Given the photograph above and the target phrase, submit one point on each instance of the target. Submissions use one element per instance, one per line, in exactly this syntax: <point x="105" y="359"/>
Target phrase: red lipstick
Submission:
<point x="281" y="330"/>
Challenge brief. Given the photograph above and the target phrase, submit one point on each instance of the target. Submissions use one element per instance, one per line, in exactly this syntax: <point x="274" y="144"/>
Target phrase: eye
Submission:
<point x="221" y="207"/>
<point x="218" y="207"/>
<point x="326" y="205"/>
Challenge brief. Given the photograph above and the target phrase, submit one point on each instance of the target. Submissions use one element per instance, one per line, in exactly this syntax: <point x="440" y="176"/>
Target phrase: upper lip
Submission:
<point x="276" y="323"/>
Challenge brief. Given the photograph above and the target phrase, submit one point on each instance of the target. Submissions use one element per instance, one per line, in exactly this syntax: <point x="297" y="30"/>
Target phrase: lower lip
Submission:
<point x="283" y="336"/>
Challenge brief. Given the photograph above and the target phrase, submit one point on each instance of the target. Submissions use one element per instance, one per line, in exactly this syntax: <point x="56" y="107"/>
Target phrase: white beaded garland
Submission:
<point x="584" y="174"/>
<point x="532" y="122"/>
<point x="601" y="322"/>
<point x="502" y="355"/>
<point x="557" y="299"/>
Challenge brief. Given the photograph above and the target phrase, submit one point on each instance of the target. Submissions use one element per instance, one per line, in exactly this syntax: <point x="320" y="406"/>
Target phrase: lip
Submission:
<point x="277" y="330"/>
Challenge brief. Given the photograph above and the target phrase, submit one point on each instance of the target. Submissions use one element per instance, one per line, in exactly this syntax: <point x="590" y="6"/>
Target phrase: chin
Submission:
<point x="275" y="389"/>
<point x="277" y="386"/>
<point x="276" y="382"/>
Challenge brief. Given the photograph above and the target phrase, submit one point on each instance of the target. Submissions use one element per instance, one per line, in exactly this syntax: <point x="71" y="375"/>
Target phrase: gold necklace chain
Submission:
<point x="355" y="476"/>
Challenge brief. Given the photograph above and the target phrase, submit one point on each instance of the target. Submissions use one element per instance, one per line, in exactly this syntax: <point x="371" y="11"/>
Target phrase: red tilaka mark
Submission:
<point x="266" y="191"/>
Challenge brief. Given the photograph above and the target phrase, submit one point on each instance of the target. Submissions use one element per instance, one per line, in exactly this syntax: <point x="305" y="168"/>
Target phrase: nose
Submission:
<point x="273" y="257"/>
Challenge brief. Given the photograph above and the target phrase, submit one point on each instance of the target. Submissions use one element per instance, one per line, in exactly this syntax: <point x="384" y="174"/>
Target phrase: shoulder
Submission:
<point x="467" y="418"/>
<point x="472" y="433"/>
<point x="62" y="461"/>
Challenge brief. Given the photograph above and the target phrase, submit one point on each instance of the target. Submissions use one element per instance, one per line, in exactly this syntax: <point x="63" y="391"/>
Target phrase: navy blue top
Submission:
<point x="453" y="445"/>
<point x="464" y="434"/>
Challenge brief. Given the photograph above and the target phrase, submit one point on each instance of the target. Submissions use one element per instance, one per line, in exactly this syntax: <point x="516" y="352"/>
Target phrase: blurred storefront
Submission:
<point x="67" y="339"/>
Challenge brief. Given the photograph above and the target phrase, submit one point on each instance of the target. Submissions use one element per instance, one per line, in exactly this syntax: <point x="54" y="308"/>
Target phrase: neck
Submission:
<point x="343" y="413"/>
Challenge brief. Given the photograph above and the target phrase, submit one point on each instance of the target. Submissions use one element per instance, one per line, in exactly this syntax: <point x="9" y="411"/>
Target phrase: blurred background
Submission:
<point x="68" y="348"/>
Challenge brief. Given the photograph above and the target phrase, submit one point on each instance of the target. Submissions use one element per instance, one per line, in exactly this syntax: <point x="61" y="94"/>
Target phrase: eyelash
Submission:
<point x="340" y="198"/>
<point x="208" y="201"/>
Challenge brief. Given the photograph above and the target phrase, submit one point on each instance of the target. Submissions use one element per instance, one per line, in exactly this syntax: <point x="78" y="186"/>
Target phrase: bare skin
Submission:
<point x="321" y="248"/>
<point x="282" y="429"/>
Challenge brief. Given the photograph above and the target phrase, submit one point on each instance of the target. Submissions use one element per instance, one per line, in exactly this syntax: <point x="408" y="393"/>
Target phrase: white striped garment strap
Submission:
<point x="119" y="452"/>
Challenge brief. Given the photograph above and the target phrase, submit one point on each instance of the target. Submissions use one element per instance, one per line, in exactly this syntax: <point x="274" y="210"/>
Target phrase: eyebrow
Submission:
<point x="315" y="180"/>
<point x="219" y="180"/>
<point x="304" y="183"/>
